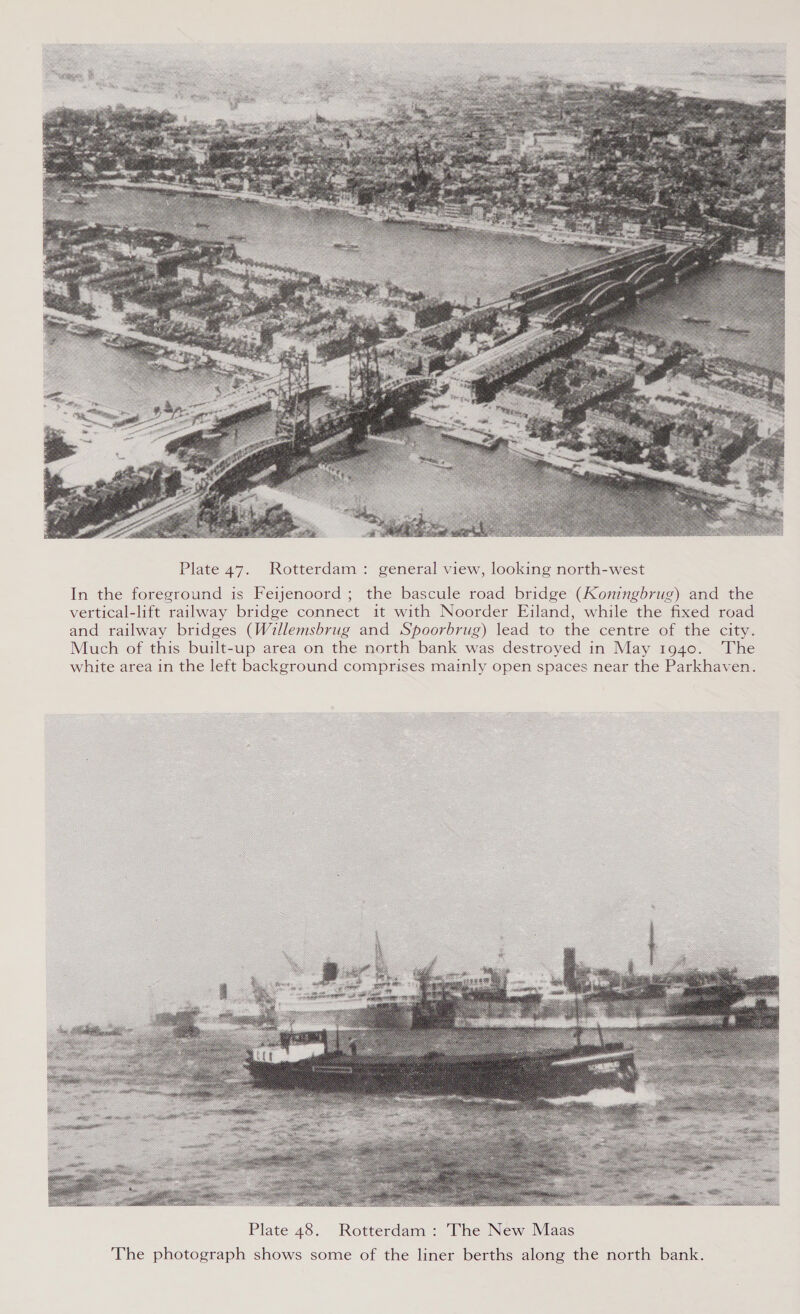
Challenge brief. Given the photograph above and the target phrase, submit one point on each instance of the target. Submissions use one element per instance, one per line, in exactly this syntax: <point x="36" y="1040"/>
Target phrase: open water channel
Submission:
<point x="145" y="1119"/>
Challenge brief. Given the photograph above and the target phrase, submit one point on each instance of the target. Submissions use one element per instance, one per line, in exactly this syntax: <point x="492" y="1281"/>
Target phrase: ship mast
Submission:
<point x="381" y="970"/>
<point x="651" y="945"/>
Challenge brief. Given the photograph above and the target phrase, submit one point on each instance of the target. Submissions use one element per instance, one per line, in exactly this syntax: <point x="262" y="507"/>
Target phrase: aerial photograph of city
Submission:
<point x="348" y="291"/>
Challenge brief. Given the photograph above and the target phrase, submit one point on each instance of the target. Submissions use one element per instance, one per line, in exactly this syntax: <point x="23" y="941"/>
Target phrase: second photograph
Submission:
<point x="384" y="959"/>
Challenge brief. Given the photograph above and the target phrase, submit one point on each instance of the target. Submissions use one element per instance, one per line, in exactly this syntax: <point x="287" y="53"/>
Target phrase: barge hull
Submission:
<point x="514" y="1077"/>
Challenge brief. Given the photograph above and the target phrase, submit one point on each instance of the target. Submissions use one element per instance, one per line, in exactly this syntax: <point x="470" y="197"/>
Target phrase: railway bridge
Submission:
<point x="603" y="286"/>
<point x="368" y="401"/>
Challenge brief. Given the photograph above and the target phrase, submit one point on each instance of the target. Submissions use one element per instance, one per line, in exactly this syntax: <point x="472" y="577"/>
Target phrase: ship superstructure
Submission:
<point x="353" y="998"/>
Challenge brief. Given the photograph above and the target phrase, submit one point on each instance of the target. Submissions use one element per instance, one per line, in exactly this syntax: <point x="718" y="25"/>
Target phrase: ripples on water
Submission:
<point x="145" y="1119"/>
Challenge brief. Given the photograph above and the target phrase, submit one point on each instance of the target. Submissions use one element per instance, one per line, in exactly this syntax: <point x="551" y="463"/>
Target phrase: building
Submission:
<point x="430" y="311"/>
<point x="765" y="459"/>
<point x="633" y="419"/>
<point x="478" y="380"/>
<point x="704" y="435"/>
<point x="251" y="331"/>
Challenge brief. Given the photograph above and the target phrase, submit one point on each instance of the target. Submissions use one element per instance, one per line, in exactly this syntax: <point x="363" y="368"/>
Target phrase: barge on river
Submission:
<point x="303" y="1061"/>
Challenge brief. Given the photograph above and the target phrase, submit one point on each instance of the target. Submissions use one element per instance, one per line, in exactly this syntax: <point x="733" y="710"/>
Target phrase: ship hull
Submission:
<point x="557" y="1075"/>
<point x="349" y="1017"/>
<point x="622" y="1015"/>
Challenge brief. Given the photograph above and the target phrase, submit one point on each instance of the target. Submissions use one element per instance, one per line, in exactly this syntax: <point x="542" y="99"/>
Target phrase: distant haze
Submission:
<point x="188" y="850"/>
<point x="352" y="78"/>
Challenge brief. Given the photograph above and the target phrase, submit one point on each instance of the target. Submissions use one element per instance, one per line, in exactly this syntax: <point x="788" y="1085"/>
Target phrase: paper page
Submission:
<point x="401" y="834"/>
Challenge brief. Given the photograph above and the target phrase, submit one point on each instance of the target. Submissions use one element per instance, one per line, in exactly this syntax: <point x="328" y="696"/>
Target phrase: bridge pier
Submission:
<point x="283" y="463"/>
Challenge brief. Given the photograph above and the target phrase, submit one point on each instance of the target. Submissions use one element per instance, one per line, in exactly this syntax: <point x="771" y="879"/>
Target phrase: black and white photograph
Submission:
<point x="413" y="290"/>
<point x="412" y="959"/>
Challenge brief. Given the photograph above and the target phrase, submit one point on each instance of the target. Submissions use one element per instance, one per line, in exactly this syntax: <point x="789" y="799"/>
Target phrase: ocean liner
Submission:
<point x="355" y="998"/>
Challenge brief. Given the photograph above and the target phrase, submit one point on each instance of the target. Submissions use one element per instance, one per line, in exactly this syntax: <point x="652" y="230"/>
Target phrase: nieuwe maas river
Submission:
<point x="145" y="1119"/>
<point x="499" y="490"/>
<point x="458" y="263"/>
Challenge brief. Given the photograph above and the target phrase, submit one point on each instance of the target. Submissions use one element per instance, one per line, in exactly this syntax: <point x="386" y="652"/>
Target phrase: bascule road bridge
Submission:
<point x="296" y="434"/>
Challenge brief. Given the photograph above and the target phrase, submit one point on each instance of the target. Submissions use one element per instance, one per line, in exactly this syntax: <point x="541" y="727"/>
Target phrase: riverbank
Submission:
<point x="542" y="233"/>
<point x="116" y="325"/>
<point x="547" y="235"/>
<point x="585" y="463"/>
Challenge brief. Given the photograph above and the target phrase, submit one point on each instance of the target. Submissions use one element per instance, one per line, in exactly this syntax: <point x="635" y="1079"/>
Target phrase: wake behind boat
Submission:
<point x="303" y="1061"/>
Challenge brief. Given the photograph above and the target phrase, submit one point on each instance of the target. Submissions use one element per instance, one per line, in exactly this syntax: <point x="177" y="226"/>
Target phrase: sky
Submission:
<point x="187" y="850"/>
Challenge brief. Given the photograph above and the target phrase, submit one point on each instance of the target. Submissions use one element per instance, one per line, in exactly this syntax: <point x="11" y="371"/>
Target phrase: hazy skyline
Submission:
<point x="274" y="72"/>
<point x="186" y="850"/>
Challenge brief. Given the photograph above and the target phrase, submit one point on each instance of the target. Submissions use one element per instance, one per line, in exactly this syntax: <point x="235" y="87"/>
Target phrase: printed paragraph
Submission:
<point x="442" y="618"/>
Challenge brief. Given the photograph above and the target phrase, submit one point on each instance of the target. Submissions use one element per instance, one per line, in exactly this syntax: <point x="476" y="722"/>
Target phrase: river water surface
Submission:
<point x="145" y="1119"/>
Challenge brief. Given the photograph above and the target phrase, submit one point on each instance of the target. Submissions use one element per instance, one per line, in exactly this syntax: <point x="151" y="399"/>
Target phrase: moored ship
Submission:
<point x="303" y="1061"/>
<point x="497" y="998"/>
<point x="356" y="998"/>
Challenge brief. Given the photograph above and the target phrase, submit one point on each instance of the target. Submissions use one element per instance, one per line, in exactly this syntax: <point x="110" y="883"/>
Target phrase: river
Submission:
<point x="145" y="1119"/>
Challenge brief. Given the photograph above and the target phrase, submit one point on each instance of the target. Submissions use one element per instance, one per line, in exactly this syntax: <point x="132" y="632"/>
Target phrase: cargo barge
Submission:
<point x="303" y="1061"/>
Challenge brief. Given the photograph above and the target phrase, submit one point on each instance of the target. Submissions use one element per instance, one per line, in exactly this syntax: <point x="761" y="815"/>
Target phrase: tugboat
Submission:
<point x="302" y="1061"/>
<point x="185" y="1028"/>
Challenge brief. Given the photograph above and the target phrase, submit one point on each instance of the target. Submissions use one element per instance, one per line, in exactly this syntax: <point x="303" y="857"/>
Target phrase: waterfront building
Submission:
<point x="765" y="459"/>
<point x="431" y="310"/>
<point x="704" y="435"/>
<point x="479" y="379"/>
<point x="738" y="373"/>
<point x="632" y="418"/>
<point x="250" y="331"/>
<point x="563" y="390"/>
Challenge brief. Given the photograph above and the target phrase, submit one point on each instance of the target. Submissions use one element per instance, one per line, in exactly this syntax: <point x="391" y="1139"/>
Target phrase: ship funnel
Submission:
<point x="223" y="990"/>
<point x="330" y="970"/>
<point x="570" y="979"/>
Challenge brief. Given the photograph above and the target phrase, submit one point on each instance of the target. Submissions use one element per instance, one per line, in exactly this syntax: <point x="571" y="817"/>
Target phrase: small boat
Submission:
<point x="346" y="246"/>
<point x="732" y="328"/>
<point x="199" y="225"/>
<point x="418" y="459"/>
<point x="237" y="237"/>
<point x="91" y="1029"/>
<point x="302" y="1060"/>
<point x="695" y="319"/>
<point x="81" y="330"/>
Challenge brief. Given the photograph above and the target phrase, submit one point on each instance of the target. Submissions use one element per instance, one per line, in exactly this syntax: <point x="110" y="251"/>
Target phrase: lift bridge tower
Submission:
<point x="293" y="410"/>
<point x="364" y="383"/>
